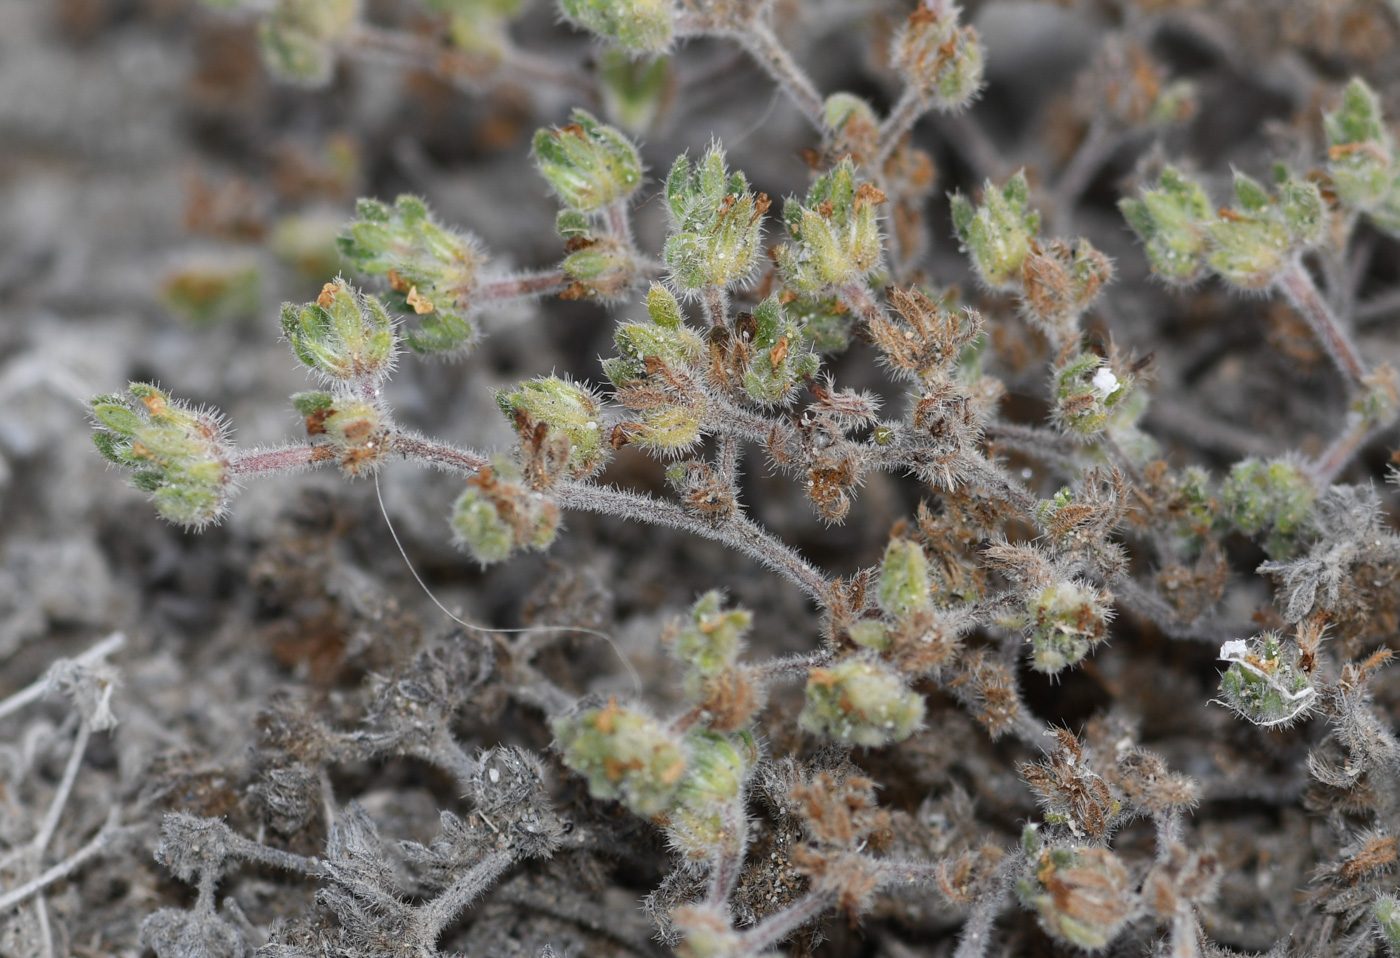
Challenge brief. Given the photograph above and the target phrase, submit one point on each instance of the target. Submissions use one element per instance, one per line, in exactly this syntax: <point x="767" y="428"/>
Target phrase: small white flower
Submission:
<point x="1234" y="649"/>
<point x="1105" y="382"/>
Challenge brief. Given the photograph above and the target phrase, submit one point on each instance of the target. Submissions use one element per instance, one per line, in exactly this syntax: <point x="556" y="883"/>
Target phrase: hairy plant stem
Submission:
<point x="1302" y="294"/>
<point x="716" y="304"/>
<point x="727" y="863"/>
<point x="439" y="454"/>
<point x="736" y="531"/>
<point x="1335" y="457"/>
<point x="281" y="459"/>
<point x="497" y="292"/>
<point x="903" y="115"/>
<point x="433" y="917"/>
<point x="856" y="297"/>
<point x="65" y="787"/>
<point x="780" y="925"/>
<point x="758" y="40"/>
<point x="1093" y="151"/>
<point x="977" y="930"/>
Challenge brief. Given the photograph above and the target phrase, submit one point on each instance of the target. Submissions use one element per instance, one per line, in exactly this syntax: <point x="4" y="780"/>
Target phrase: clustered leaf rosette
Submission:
<point x="177" y="455"/>
<point x="717" y="223"/>
<point x="1251" y="243"/>
<point x="626" y="755"/>
<point x="652" y="373"/>
<point x="348" y="339"/>
<point x="707" y="643"/>
<point x="1066" y="620"/>
<point x="432" y="271"/>
<point x="836" y="232"/>
<point x="1082" y="894"/>
<point x="564" y="408"/>
<point x="708" y="812"/>
<point x="1171" y="220"/>
<point x="498" y="514"/>
<point x="997" y="234"/>
<point x="638" y="26"/>
<point x="861" y="701"/>
<point x="1248" y="244"/>
<point x="912" y="635"/>
<point x="298" y="37"/>
<point x="1271" y="500"/>
<point x="938" y="58"/>
<point x="778" y="358"/>
<point x="1087" y="393"/>
<point x="1265" y="682"/>
<point x="1362" y="159"/>
<point x="852" y="128"/>
<point x="356" y="430"/>
<point x="1059" y="281"/>
<point x="343" y="336"/>
<point x="589" y="165"/>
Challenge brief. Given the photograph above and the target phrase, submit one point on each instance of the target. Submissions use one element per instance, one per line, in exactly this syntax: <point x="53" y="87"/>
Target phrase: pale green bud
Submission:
<point x="343" y="335"/>
<point x="498" y="515"/>
<point x="711" y="638"/>
<point x="588" y="164"/>
<point x="568" y="407"/>
<point x="605" y="269"/>
<point x="432" y="270"/>
<point x="938" y="58"/>
<point x="636" y="343"/>
<point x="1361" y="157"/>
<point x="717" y="769"/>
<point x="354" y="428"/>
<point x="625" y="755"/>
<point x="297" y="38"/>
<point x="177" y="455"/>
<point x="1171" y="220"/>
<point x="717" y="223"/>
<point x="663" y="308"/>
<point x="842" y="109"/>
<point x="997" y="235"/>
<point x="1067" y="619"/>
<point x="870" y="634"/>
<point x="904" y="575"/>
<point x="1265" y="683"/>
<point x="671" y="429"/>
<point x="643" y="26"/>
<point x="1271" y="499"/>
<point x="836" y="232"/>
<point x="861" y="702"/>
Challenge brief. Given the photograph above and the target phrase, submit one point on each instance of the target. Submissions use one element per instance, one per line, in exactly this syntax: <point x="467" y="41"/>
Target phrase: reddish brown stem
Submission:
<point x="281" y="459"/>
<point x="1297" y="287"/>
<point x="445" y="457"/>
